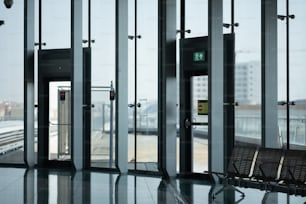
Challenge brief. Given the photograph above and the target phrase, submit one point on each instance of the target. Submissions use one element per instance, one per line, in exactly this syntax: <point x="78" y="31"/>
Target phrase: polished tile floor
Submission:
<point x="61" y="186"/>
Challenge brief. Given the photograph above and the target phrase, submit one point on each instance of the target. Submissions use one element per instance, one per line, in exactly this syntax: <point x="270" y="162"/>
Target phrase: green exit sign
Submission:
<point x="199" y="56"/>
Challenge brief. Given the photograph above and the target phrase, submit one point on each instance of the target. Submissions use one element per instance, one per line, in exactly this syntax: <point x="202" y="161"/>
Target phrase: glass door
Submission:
<point x="199" y="123"/>
<point x="194" y="124"/>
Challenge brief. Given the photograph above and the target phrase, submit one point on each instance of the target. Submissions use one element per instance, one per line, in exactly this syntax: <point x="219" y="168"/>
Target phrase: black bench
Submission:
<point x="265" y="168"/>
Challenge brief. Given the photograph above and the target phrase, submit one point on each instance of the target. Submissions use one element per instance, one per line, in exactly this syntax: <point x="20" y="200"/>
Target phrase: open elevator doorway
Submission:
<point x="59" y="120"/>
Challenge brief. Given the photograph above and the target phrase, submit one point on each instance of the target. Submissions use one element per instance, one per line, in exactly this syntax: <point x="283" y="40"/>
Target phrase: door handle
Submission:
<point x="131" y="105"/>
<point x="187" y="123"/>
<point x="231" y="104"/>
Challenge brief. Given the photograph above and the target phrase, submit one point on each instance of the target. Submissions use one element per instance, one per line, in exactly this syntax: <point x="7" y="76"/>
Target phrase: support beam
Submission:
<point x="269" y="74"/>
<point x="29" y="83"/>
<point x="216" y="86"/>
<point x="167" y="99"/>
<point x="77" y="84"/>
<point x="121" y="85"/>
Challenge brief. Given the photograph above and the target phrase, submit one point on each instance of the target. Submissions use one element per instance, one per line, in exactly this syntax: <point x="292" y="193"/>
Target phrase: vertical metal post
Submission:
<point x="182" y="20"/>
<point x="39" y="24"/>
<point x="269" y="73"/>
<point x="167" y="99"/>
<point x="121" y="85"/>
<point x="77" y="84"/>
<point x="288" y="75"/>
<point x="216" y="86"/>
<point x="135" y="90"/>
<point x="232" y="16"/>
<point x="111" y="127"/>
<point x="103" y="117"/>
<point x="29" y="155"/>
<point x="89" y="23"/>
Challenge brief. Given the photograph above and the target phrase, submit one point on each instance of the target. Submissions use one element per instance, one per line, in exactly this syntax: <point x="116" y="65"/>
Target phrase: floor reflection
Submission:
<point x="36" y="186"/>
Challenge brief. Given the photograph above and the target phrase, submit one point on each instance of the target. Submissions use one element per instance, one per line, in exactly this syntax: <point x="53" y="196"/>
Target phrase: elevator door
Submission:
<point x="194" y="110"/>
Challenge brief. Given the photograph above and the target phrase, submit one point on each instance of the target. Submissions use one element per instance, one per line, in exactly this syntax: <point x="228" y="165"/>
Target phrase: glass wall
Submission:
<point x="291" y="53"/>
<point x="56" y="24"/>
<point x="143" y="85"/>
<point x="248" y="72"/>
<point x="11" y="83"/>
<point x="102" y="75"/>
<point x="297" y="52"/>
<point x="281" y="73"/>
<point x="196" y="18"/>
<point x="227" y="18"/>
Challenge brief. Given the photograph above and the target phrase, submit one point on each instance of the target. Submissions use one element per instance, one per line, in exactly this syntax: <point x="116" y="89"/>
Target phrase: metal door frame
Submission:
<point x="202" y="69"/>
<point x="55" y="65"/>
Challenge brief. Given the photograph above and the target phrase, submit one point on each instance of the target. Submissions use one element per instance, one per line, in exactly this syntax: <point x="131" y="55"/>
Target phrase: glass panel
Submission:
<point x="56" y="24"/>
<point x="199" y="103"/>
<point x="102" y="74"/>
<point x="85" y="22"/>
<point x="131" y="85"/>
<point x="196" y="18"/>
<point x="297" y="52"/>
<point x="248" y="72"/>
<point x="146" y="102"/>
<point x="147" y="84"/>
<point x="59" y="121"/>
<point x="227" y="20"/>
<point x="11" y="84"/>
<point x="102" y="155"/>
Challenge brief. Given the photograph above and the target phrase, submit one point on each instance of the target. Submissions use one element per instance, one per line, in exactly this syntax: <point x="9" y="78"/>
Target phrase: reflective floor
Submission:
<point x="62" y="186"/>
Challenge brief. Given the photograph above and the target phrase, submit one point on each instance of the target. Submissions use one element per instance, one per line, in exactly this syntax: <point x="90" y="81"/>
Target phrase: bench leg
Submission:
<point x="228" y="187"/>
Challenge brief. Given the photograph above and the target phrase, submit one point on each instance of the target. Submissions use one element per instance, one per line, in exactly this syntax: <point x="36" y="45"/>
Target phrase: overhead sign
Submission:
<point x="202" y="107"/>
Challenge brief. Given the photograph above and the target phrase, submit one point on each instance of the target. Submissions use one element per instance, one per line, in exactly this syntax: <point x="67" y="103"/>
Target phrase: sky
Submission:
<point x="56" y="33"/>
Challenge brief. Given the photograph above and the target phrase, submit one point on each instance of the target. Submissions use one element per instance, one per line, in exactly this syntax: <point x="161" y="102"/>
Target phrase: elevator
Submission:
<point x="54" y="107"/>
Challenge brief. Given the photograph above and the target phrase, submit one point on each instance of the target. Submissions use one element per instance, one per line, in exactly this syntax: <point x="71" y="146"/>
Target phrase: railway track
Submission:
<point x="10" y="141"/>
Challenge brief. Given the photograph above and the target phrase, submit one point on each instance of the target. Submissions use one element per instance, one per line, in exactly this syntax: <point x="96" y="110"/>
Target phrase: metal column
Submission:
<point x="269" y="73"/>
<point x="77" y="84"/>
<point x="216" y="86"/>
<point x="29" y="83"/>
<point x="167" y="100"/>
<point x="121" y="85"/>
